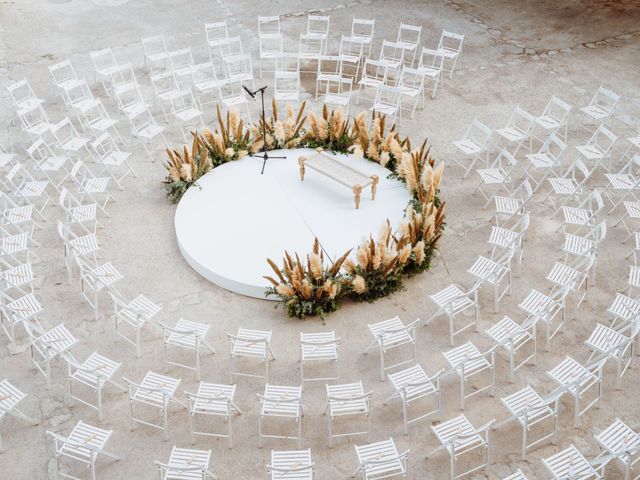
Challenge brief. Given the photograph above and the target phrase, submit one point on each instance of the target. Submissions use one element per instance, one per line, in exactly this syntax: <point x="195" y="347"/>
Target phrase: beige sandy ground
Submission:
<point x="515" y="52"/>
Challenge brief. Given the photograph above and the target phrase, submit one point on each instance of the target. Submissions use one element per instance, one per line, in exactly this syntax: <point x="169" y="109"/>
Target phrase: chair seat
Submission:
<point x="562" y="274"/>
<point x="116" y="158"/>
<point x="336" y="99"/>
<point x="94" y="369"/>
<point x="577" y="216"/>
<point x="624" y="307"/>
<point x="540" y="160"/>
<point x="85" y="245"/>
<point x="590" y="152"/>
<point x="17" y="215"/>
<point x="150" y="131"/>
<point x="390" y="332"/>
<point x="85" y="434"/>
<point x="413" y="381"/>
<point x="74" y="144"/>
<point x="467" y="356"/>
<point x="492" y="176"/>
<point x="633" y="209"/>
<point x="188" y="114"/>
<point x="83" y="213"/>
<point x="595" y="112"/>
<point x="508" y="333"/>
<point x="622" y="181"/>
<point x="547" y="122"/>
<point x="569" y="372"/>
<point x="536" y="303"/>
<point x="605" y="340"/>
<point x="251" y="343"/>
<point x="564" y="186"/>
<point x="10" y="396"/>
<point x="52" y="163"/>
<point x="507" y="205"/>
<point x="14" y="243"/>
<point x="25" y="307"/>
<point x="384" y="108"/>
<point x="19" y="275"/>
<point x="469" y="147"/>
<point x="617" y="438"/>
<point x="183" y="459"/>
<point x="85" y="104"/>
<point x="452" y="300"/>
<point x="502" y="237"/>
<point x="430" y="72"/>
<point x="372" y="458"/>
<point x="95" y="185"/>
<point x="57" y="340"/>
<point x="527" y="401"/>
<point x="323" y="348"/>
<point x="158" y="384"/>
<point x="142" y="308"/>
<point x="295" y="460"/>
<point x="186" y="332"/>
<point x="570" y="463"/>
<point x="459" y="432"/>
<point x="33" y="189"/>
<point x="106" y="275"/>
<point x="281" y="401"/>
<point x="487" y="270"/>
<point x="213" y="398"/>
<point x="346" y="399"/>
<point x="512" y="134"/>
<point x="576" y="245"/>
<point x="634" y="276"/>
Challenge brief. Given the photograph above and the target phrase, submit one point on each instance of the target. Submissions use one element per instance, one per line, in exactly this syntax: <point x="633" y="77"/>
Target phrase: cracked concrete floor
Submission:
<point x="515" y="52"/>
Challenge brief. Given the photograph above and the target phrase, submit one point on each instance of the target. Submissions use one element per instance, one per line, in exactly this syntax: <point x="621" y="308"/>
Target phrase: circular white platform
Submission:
<point x="238" y="218"/>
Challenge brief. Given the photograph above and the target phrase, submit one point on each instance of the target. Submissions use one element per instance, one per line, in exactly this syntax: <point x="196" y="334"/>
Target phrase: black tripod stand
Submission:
<point x="265" y="156"/>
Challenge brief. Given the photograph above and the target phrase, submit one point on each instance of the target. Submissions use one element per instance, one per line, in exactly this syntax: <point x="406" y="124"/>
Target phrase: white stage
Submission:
<point x="228" y="228"/>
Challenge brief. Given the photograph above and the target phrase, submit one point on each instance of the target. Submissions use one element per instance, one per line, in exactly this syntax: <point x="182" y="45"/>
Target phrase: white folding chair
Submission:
<point x="531" y="410"/>
<point x="249" y="343"/>
<point x="34" y="120"/>
<point x="459" y="437"/>
<point x="390" y="334"/>
<point x="362" y="31"/>
<point x="453" y="301"/>
<point x="374" y="74"/>
<point x="94" y="374"/>
<point x="318" y="26"/>
<point x="45" y="348"/>
<point x="130" y="100"/>
<point x="338" y="94"/>
<point x="283" y="402"/>
<point x="17" y="218"/>
<point x="430" y="66"/>
<point x="602" y="106"/>
<point x="546" y="308"/>
<point x="574" y="272"/>
<point x="319" y="348"/>
<point x="52" y="165"/>
<point x="387" y="102"/>
<point x="146" y="130"/>
<point x="22" y="95"/>
<point x="31" y="191"/>
<point x="570" y="464"/>
<point x="392" y="56"/>
<point x="287" y="88"/>
<point x="381" y="460"/>
<point x="583" y="215"/>
<point x="517" y="130"/>
<point x="186" y="463"/>
<point x="181" y="64"/>
<point x="215" y="400"/>
<point x="10" y="397"/>
<point x="155" y="391"/>
<point x="517" y="475"/>
<point x="413" y="384"/>
<point x="85" y="444"/>
<point x="132" y="315"/>
<point x="216" y="33"/>
<point x="69" y="139"/>
<point x="186" y="111"/>
<point x="450" y="46"/>
<point x="411" y="84"/>
<point x="496" y="271"/>
<point x="79" y="98"/>
<point x="598" y="149"/>
<point x="513" y="206"/>
<point x="104" y="66"/>
<point x="114" y="161"/>
<point x="466" y="361"/>
<point x="91" y="186"/>
<point x="165" y="89"/>
<point x="511" y="337"/>
<point x="605" y="342"/>
<point x="329" y="70"/>
<point x="95" y="279"/>
<point x="63" y="76"/>
<point x="270" y="49"/>
<point x="21" y="310"/>
<point x="624" y="184"/>
<point x="577" y="379"/>
<point x="155" y="51"/>
<point x="621" y="442"/>
<point x="569" y="186"/>
<point x="205" y="83"/>
<point x="78" y="245"/>
<point x="347" y="400"/>
<point x="474" y="145"/>
<point x="239" y="68"/>
<point x="545" y="161"/>
<point x="232" y="95"/>
<point x="587" y="245"/>
<point x="187" y="335"/>
<point x="291" y="464"/>
<point x="553" y="119"/>
<point x="409" y="38"/>
<point x="350" y="55"/>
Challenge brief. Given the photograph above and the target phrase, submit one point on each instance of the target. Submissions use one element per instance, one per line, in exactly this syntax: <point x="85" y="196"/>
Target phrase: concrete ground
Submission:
<point x="515" y="53"/>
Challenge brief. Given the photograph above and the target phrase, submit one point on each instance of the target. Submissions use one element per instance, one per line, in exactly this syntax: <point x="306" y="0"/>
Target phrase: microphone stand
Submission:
<point x="265" y="156"/>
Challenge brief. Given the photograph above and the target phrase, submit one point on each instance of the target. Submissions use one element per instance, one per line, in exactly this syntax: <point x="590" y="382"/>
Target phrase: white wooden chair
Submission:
<point x="10" y="397"/>
<point x="624" y="312"/>
<point x="96" y="279"/>
<point x="63" y="76"/>
<point x="533" y="412"/>
<point x="338" y="94"/>
<point x="17" y="248"/>
<point x="624" y="184"/>
<point x="374" y="74"/>
<point x="155" y="51"/>
<point x="212" y="400"/>
<point x="20" y="311"/>
<point x="413" y="384"/>
<point x="459" y="437"/>
<point x="598" y="148"/>
<point x="351" y="56"/>
<point x="216" y="33"/>
<point x="91" y="186"/>
<point x="632" y="214"/>
<point x="287" y="88"/>
<point x="319" y="348"/>
<point x="547" y="307"/>
<point x="52" y="165"/>
<point x="186" y="463"/>
<point x="83" y="245"/>
<point x="467" y="362"/>
<point x="411" y="84"/>
<point x="409" y="38"/>
<point x="498" y="175"/>
<point x="248" y="343"/>
<point x="186" y="111"/>
<point x="22" y="95"/>
<point x="206" y="85"/>
<point x="157" y="392"/>
<point x="130" y="100"/>
<point x="329" y="69"/>
<point x="517" y="475"/>
<point x="347" y="400"/>
<point x="271" y="47"/>
<point x="146" y="130"/>
<point x="577" y="379"/>
<point x="362" y="31"/>
<point x="570" y="464"/>
<point x="511" y="337"/>
<point x="495" y="271"/>
<point x="283" y="402"/>
<point x="545" y="162"/>
<point x="181" y="64"/>
<point x="12" y="214"/>
<point x="34" y="121"/>
<point x="78" y="212"/>
<point x="605" y="342"/>
<point x="584" y="215"/>
<point x="94" y="373"/>
<point x="381" y="460"/>
<point x="450" y="46"/>
<point x="392" y="55"/>
<point x="104" y="66"/>
<point x="553" y="119"/>
<point x="575" y="272"/>
<point x="133" y="315"/>
<point x="587" y="245"/>
<point x="474" y="145"/>
<point x="388" y="102"/>
<point x="516" y="204"/>
<point x="517" y="130"/>
<point x="46" y="347"/>
<point x="232" y="95"/>
<point x="69" y="139"/>
<point x="239" y="68"/>
<point x="187" y="335"/>
<point x="391" y="334"/>
<point x="430" y="66"/>
<point x="291" y="464"/>
<point x="79" y="99"/>
<point x="623" y="443"/>
<point x="602" y="106"/>
<point x="165" y="88"/>
<point x="25" y="187"/>
<point x="20" y="277"/>
<point x="85" y="444"/>
<point x="318" y="26"/>
<point x="454" y="301"/>
<point x="124" y="78"/>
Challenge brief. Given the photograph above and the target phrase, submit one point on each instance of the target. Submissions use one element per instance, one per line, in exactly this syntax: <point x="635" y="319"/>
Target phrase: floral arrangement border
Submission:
<point x="312" y="285"/>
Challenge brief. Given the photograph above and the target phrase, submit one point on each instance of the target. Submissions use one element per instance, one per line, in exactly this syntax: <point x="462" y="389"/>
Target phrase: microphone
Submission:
<point x="251" y="94"/>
